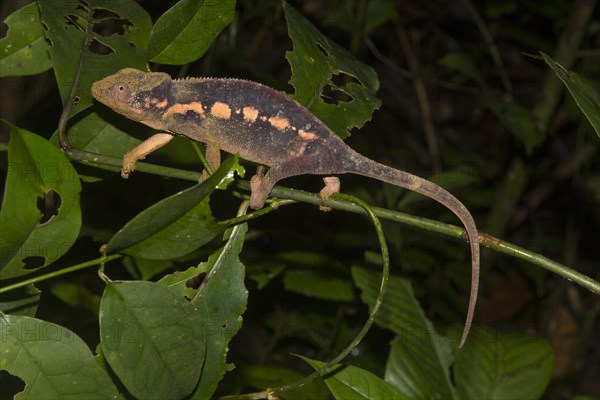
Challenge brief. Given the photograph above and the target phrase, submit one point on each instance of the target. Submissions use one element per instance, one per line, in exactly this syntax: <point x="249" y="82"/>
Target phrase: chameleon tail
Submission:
<point x="361" y="165"/>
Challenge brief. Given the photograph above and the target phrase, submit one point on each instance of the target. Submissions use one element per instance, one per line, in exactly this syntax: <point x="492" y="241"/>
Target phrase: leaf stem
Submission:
<point x="486" y="240"/>
<point x="60" y="272"/>
<point x="270" y="393"/>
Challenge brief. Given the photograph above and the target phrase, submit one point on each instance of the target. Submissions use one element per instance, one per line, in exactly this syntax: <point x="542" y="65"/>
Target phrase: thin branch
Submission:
<point x="280" y="192"/>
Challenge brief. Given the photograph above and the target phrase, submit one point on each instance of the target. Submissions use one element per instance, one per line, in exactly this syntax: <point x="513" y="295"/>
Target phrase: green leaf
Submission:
<point x="178" y="281"/>
<point x="92" y="39"/>
<point x="174" y="226"/>
<point x="220" y="303"/>
<point x="518" y="120"/>
<point x="319" y="286"/>
<point x="40" y="216"/>
<point x="186" y="31"/>
<point x="24" y="49"/>
<point x="584" y="93"/>
<point x="348" y="382"/>
<point x="377" y="13"/>
<point x="314" y="61"/>
<point x="53" y="361"/>
<point x="503" y="366"/>
<point x="419" y="360"/>
<point x="77" y="295"/>
<point x="264" y="376"/>
<point x="464" y="64"/>
<point x="22" y="301"/>
<point x="148" y="268"/>
<point x="92" y="133"/>
<point x="152" y="338"/>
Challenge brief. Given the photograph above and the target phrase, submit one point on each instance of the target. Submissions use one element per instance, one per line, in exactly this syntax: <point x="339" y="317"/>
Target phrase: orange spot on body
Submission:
<point x="182" y="108"/>
<point x="279" y="123"/>
<point x="221" y="110"/>
<point x="163" y="104"/>
<point x="307" y="135"/>
<point x="250" y="114"/>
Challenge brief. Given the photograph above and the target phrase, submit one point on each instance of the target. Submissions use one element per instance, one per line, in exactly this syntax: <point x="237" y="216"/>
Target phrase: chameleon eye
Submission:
<point x="120" y="91"/>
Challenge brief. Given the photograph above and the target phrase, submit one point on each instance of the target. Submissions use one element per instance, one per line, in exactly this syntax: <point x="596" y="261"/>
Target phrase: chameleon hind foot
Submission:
<point x="257" y="191"/>
<point x="332" y="185"/>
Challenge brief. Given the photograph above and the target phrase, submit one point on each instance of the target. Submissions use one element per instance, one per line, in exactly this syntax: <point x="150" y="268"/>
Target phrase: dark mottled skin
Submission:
<point x="301" y="144"/>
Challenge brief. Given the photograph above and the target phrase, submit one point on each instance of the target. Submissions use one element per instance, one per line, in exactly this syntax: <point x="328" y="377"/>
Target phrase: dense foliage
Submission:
<point x="160" y="287"/>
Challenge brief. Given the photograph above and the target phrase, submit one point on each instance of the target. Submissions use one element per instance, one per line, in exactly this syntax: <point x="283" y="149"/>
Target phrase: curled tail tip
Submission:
<point x="465" y="335"/>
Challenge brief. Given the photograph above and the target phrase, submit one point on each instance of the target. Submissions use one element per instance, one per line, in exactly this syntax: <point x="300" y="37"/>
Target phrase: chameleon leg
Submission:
<point x="261" y="186"/>
<point x="332" y="185"/>
<point x="140" y="152"/>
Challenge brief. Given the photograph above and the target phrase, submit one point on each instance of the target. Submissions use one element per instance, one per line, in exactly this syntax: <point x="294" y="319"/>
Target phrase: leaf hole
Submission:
<point x="33" y="262"/>
<point x="75" y="21"/>
<point x="107" y="23"/>
<point x="322" y="50"/>
<point x="96" y="47"/>
<point x="11" y="384"/>
<point x="196" y="281"/>
<point x="49" y="205"/>
<point x="333" y="92"/>
<point x="76" y="100"/>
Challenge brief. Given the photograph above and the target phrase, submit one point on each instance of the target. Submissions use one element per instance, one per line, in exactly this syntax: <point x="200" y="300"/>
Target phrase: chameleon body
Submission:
<point x="261" y="125"/>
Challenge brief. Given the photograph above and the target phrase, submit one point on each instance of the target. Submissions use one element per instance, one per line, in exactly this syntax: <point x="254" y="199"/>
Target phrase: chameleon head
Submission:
<point x="119" y="91"/>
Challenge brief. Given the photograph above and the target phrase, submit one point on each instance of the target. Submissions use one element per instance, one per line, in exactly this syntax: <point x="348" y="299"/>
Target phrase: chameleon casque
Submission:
<point x="261" y="125"/>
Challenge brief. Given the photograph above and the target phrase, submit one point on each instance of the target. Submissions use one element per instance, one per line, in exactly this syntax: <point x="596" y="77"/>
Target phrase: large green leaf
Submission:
<point x="92" y="39"/>
<point x="503" y="366"/>
<point x="348" y="382"/>
<point x="92" y="133"/>
<point x="464" y="63"/>
<point x="53" y="361"/>
<point x="518" y="120"/>
<point x="174" y="226"/>
<point x="585" y="95"/>
<point x="40" y="216"/>
<point x="315" y="60"/>
<point x="220" y="303"/>
<point x="186" y="31"/>
<point x="266" y="376"/>
<point x="318" y="285"/>
<point x="152" y="338"/>
<point x="419" y="361"/>
<point x="22" y="301"/>
<point x="24" y="49"/>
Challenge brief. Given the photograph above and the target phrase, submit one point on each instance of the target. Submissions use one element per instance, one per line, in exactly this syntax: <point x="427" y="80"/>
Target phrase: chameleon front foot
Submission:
<point x="129" y="160"/>
<point x="332" y="185"/>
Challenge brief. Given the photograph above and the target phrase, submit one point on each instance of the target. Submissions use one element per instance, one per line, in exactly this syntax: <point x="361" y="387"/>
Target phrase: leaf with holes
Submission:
<point x="220" y="303"/>
<point x="41" y="218"/>
<point x="315" y="61"/>
<point x="185" y="31"/>
<point x="24" y="49"/>
<point x="105" y="36"/>
<point x="53" y="361"/>
<point x="152" y="339"/>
